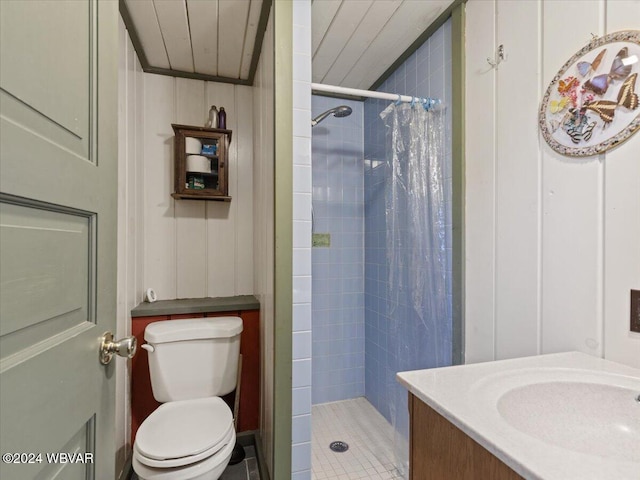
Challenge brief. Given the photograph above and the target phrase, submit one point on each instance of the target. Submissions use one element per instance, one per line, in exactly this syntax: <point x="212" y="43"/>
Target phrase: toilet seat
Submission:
<point x="186" y="460"/>
<point x="184" y="432"/>
<point x="206" y="469"/>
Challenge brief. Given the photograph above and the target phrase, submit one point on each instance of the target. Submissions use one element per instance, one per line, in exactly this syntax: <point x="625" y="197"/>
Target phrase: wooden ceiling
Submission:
<point x="353" y="41"/>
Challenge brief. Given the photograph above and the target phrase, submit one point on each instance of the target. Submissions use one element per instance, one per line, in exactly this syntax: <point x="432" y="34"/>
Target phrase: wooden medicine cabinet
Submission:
<point x="201" y="163"/>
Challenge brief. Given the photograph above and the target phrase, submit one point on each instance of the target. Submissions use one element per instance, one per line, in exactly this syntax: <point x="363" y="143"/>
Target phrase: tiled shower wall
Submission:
<point x="338" y="269"/>
<point x="426" y="73"/>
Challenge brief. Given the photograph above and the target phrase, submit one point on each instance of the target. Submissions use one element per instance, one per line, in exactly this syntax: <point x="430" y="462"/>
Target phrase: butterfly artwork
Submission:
<point x="586" y="67"/>
<point x="568" y="84"/>
<point x="577" y="127"/>
<point x="605" y="108"/>
<point x="620" y="69"/>
<point x="557" y="106"/>
<point x="627" y="98"/>
<point x="593" y="104"/>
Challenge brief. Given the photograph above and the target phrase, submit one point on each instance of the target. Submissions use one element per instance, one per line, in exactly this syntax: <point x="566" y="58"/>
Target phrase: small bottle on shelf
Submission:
<point x="222" y="118"/>
<point x="213" y="118"/>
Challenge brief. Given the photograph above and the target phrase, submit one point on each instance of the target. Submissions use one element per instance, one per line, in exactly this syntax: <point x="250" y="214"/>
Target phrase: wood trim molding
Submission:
<point x="283" y="241"/>
<point x="458" y="194"/>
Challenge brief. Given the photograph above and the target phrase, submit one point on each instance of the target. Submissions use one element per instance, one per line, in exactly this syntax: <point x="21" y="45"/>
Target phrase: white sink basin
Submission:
<point x="592" y="418"/>
<point x="565" y="416"/>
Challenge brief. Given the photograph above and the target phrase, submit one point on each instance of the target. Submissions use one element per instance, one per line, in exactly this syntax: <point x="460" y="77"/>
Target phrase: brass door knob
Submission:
<point x="125" y="347"/>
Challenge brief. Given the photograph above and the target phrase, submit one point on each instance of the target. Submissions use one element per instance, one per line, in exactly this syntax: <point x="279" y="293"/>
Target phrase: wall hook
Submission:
<point x="500" y="56"/>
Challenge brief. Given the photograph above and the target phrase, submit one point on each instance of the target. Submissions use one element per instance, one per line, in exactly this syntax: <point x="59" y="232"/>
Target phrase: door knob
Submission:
<point x="125" y="347"/>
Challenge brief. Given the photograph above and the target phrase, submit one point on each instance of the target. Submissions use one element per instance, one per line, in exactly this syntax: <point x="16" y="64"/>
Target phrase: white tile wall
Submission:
<point x="301" y="373"/>
<point x="301" y="397"/>
<point x="301" y="457"/>
<point x="302" y="317"/>
<point x="301" y="401"/>
<point x="301" y="429"/>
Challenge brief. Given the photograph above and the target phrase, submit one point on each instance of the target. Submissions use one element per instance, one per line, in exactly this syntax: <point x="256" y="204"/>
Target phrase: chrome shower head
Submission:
<point x="341" y="111"/>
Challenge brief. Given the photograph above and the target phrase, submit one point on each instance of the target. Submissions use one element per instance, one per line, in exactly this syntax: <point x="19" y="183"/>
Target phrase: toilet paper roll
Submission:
<point x="192" y="145"/>
<point x="198" y="163"/>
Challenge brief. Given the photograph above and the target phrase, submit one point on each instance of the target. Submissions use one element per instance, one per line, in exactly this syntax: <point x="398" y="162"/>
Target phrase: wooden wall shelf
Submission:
<point x="209" y="184"/>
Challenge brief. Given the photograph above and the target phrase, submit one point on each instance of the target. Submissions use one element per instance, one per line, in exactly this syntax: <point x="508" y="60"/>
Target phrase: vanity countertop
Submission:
<point x="196" y="305"/>
<point x="558" y="416"/>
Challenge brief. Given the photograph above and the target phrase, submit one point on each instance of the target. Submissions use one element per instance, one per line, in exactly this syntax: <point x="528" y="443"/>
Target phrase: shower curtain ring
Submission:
<point x="399" y="100"/>
<point x="413" y="102"/>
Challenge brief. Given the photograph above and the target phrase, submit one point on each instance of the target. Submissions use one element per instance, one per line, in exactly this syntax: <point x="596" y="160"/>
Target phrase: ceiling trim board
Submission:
<point x="250" y="34"/>
<point x="257" y="47"/>
<point x="424" y="36"/>
<point x="133" y="34"/>
<point x="196" y="76"/>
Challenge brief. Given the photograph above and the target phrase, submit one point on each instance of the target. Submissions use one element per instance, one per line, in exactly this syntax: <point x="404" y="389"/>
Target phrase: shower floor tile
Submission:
<point x="368" y="434"/>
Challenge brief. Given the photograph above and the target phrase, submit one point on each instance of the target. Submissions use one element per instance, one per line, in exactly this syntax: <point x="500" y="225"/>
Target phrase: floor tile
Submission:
<point x="368" y="434"/>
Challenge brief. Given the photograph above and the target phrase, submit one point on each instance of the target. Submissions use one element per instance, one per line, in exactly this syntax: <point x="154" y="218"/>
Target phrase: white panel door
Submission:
<point x="58" y="166"/>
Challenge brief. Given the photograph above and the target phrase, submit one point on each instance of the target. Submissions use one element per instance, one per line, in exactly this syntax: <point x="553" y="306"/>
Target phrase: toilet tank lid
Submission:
<point x="192" y="329"/>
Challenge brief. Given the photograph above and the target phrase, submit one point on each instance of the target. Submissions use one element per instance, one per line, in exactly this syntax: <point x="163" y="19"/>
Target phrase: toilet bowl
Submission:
<point x="185" y="440"/>
<point x="192" y="435"/>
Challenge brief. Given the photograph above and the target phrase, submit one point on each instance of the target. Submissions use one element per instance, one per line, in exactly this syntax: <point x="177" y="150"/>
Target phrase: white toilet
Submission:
<point x="192" y="363"/>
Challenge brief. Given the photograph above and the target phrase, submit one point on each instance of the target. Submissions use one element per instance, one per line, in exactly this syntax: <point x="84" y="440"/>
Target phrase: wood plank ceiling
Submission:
<point x="353" y="41"/>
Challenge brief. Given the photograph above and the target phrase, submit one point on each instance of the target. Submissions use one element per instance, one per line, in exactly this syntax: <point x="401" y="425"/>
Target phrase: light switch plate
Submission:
<point x="635" y="311"/>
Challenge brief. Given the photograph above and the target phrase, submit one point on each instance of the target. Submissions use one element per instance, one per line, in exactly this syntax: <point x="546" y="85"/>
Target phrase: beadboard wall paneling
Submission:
<point x="572" y="200"/>
<point x="622" y="221"/>
<point x="196" y="248"/>
<point x="551" y="241"/>
<point x="480" y="186"/>
<point x="130" y="227"/>
<point x="517" y="181"/>
<point x="263" y="228"/>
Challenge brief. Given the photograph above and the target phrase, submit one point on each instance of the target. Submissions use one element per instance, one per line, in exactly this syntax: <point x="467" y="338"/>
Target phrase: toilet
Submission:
<point x="192" y="363"/>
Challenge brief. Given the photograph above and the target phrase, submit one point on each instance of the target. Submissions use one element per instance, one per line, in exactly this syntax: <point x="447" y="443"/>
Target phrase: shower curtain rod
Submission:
<point x="321" y="87"/>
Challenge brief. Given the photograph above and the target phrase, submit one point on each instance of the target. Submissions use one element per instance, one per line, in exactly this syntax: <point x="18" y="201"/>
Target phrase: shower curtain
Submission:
<point x="418" y="305"/>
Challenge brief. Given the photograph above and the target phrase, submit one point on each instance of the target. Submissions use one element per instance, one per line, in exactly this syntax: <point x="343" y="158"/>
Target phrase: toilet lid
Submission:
<point x="184" y="428"/>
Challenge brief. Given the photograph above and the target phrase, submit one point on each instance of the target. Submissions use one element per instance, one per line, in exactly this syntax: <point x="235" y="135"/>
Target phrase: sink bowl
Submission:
<point x="592" y="418"/>
<point x="563" y="416"/>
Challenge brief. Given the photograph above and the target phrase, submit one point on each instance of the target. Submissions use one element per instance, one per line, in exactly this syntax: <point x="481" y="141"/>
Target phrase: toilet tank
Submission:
<point x="193" y="358"/>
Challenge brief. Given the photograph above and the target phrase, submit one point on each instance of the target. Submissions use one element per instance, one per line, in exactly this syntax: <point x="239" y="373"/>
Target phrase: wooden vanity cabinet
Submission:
<point x="441" y="451"/>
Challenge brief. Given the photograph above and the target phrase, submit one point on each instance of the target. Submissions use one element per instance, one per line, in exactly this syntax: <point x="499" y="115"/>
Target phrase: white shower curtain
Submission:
<point x="418" y="306"/>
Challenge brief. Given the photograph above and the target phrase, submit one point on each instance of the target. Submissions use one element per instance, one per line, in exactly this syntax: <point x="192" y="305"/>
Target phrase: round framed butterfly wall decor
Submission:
<point x="592" y="103"/>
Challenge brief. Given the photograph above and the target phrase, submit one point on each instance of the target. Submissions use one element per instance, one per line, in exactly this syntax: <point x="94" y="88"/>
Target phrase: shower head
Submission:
<point x="341" y="111"/>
